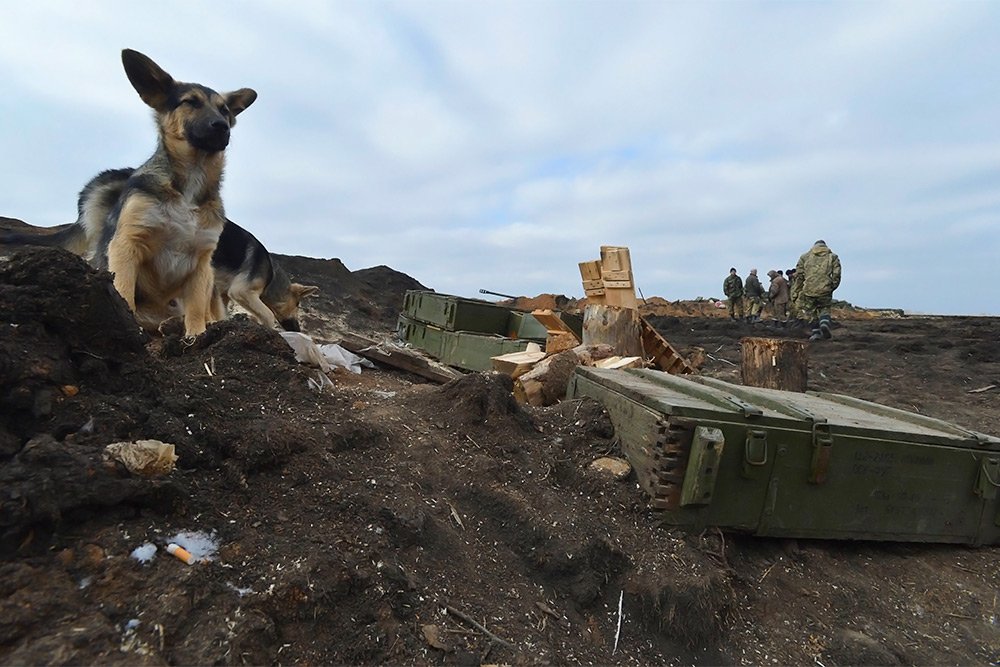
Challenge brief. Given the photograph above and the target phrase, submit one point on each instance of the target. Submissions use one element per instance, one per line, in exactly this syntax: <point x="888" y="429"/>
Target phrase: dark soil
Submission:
<point x="370" y="522"/>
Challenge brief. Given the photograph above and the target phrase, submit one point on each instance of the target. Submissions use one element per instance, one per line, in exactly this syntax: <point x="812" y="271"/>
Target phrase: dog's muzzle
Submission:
<point x="212" y="137"/>
<point x="290" y="325"/>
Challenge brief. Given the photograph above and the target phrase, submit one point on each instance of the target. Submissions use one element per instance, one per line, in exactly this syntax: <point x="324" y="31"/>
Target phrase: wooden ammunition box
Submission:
<point x="805" y="465"/>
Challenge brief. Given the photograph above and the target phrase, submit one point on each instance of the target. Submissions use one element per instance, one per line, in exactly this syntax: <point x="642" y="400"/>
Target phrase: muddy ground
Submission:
<point x="389" y="520"/>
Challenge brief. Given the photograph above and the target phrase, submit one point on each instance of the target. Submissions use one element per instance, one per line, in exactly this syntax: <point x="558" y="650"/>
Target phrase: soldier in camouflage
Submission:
<point x="732" y="287"/>
<point x="793" y="297"/>
<point x="817" y="275"/>
<point x="753" y="296"/>
<point x="777" y="295"/>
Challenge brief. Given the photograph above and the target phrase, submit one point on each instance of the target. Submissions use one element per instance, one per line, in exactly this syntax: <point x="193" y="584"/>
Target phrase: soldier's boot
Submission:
<point x="817" y="333"/>
<point x="824" y="327"/>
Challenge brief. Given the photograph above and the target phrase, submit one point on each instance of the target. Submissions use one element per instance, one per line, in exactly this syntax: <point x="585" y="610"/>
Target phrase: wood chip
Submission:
<point x="432" y="635"/>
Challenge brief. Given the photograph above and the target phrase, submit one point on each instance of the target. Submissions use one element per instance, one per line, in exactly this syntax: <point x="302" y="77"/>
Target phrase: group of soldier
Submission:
<point x="800" y="295"/>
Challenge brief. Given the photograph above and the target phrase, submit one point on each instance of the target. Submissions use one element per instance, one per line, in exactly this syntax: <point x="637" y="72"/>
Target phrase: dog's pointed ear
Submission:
<point x="302" y="291"/>
<point x="152" y="83"/>
<point x="238" y="100"/>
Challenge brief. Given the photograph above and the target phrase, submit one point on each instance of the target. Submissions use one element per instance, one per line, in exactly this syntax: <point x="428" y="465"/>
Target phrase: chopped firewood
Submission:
<point x="517" y="364"/>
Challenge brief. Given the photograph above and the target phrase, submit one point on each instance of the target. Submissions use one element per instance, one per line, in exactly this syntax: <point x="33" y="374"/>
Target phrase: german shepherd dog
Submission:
<point x="245" y="272"/>
<point x="162" y="230"/>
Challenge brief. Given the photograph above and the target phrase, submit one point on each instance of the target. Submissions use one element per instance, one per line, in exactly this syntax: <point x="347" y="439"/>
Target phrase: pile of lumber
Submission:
<point x="614" y="335"/>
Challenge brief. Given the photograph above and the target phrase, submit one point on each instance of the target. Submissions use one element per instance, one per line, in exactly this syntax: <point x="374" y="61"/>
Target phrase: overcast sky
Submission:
<point x="478" y="144"/>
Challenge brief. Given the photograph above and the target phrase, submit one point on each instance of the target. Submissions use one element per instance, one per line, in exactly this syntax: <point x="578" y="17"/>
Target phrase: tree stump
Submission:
<point x="774" y="363"/>
<point x="621" y="328"/>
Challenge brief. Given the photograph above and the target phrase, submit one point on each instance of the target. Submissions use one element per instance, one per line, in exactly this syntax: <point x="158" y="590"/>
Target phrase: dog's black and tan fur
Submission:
<point x="245" y="272"/>
<point x="163" y="228"/>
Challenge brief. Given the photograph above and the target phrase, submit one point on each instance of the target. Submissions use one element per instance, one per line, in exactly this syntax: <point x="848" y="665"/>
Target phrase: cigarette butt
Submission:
<point x="181" y="553"/>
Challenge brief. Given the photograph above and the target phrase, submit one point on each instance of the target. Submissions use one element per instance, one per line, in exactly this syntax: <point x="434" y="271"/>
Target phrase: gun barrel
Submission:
<point x="506" y="296"/>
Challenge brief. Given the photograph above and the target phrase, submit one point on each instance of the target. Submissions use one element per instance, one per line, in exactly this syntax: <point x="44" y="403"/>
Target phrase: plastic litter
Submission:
<point x="200" y="545"/>
<point x="144" y="553"/>
<point x="149" y="458"/>
<point x="326" y="356"/>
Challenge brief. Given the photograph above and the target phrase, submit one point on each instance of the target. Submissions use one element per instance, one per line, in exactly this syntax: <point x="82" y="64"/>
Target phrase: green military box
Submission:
<point x="473" y="352"/>
<point x="455" y="313"/>
<point x="422" y="336"/>
<point x="788" y="464"/>
<point x="462" y="349"/>
<point x="524" y="325"/>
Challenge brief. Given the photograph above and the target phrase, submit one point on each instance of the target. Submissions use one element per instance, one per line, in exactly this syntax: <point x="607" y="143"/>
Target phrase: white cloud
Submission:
<point x="496" y="144"/>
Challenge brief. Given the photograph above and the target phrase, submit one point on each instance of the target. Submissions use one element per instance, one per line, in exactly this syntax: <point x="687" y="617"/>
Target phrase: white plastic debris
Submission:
<point x="144" y="553"/>
<point x="344" y="358"/>
<point x="199" y="544"/>
<point x="306" y="351"/>
<point x="325" y="357"/>
<point x="149" y="458"/>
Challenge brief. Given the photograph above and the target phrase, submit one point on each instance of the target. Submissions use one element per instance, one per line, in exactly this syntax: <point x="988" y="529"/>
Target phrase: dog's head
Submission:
<point x="187" y="113"/>
<point x="287" y="310"/>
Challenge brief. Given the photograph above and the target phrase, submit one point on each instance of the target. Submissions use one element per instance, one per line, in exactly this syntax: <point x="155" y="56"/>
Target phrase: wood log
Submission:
<point x="559" y="336"/>
<point x="398" y="357"/>
<point x="621" y="328"/>
<point x="774" y="363"/>
<point x="545" y="384"/>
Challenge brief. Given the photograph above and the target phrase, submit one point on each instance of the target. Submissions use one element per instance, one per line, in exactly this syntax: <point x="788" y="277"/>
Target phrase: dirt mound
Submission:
<point x="543" y="302"/>
<point x="365" y="301"/>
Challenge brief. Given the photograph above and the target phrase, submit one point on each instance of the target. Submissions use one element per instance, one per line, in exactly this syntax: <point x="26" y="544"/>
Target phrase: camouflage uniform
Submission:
<point x="753" y="293"/>
<point x="777" y="295"/>
<point x="818" y="275"/>
<point x="794" y="292"/>
<point x="732" y="287"/>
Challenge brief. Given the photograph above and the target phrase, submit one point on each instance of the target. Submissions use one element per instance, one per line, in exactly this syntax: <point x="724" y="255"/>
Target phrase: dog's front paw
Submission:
<point x="173" y="326"/>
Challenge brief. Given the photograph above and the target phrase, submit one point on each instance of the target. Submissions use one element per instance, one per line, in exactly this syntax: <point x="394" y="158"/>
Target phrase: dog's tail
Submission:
<point x="71" y="236"/>
<point x="93" y="205"/>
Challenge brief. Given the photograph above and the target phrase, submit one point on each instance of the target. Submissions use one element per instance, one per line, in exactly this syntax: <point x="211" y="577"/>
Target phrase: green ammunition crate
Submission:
<point x="472" y="351"/>
<point x="455" y="313"/>
<point x="422" y="336"/>
<point x="524" y="325"/>
<point x="462" y="349"/>
<point x="808" y="465"/>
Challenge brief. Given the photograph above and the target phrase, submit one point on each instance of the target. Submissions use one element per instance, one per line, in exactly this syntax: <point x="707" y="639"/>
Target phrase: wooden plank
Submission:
<point x="620" y="362"/>
<point x="621" y="298"/>
<point x="612" y="276"/>
<point x="397" y="357"/>
<point x="664" y="355"/>
<point x="552" y="322"/>
<point x="615" y="258"/>
<point x="517" y="364"/>
<point x="593" y="284"/>
<point x="590" y="270"/>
